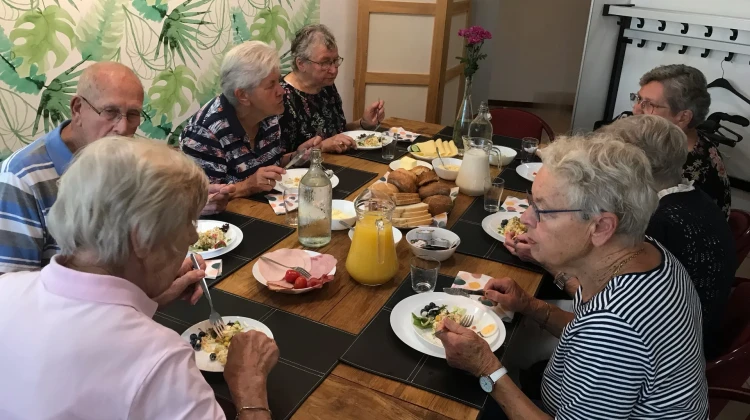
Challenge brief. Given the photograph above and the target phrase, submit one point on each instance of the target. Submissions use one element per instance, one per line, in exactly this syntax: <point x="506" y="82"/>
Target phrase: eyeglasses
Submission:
<point x="538" y="213"/>
<point x="114" y="115"/>
<point x="646" y="105"/>
<point x="325" y="65"/>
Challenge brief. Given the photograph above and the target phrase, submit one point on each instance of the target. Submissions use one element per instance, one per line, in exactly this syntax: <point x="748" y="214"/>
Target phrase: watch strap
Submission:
<point x="496" y="375"/>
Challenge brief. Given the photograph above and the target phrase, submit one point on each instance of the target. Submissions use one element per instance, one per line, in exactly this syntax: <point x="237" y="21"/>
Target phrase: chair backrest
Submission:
<point x="739" y="222"/>
<point x="519" y="124"/>
<point x="735" y="326"/>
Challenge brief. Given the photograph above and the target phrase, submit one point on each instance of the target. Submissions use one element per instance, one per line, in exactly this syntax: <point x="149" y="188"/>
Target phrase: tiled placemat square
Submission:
<point x="378" y="350"/>
<point x="250" y="247"/>
<point x="476" y="242"/>
<point x="513" y="181"/>
<point x="377" y="154"/>
<point x="308" y="351"/>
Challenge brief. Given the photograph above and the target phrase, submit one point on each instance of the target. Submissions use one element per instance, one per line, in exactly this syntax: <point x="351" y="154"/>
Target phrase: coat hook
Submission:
<point x="662" y="46"/>
<point x="642" y="43"/>
<point x="733" y="37"/>
<point x="640" y="23"/>
<point x="710" y="31"/>
<point x="685" y="28"/>
<point x="706" y="53"/>
<point x="729" y="57"/>
<point x="683" y="50"/>
<point x="662" y="25"/>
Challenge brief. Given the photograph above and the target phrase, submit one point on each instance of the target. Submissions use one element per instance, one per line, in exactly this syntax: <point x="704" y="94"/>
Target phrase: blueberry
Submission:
<point x="193" y="337"/>
<point x="434" y="312"/>
<point x="201" y="334"/>
<point x="197" y="346"/>
<point x="212" y="356"/>
<point x="213" y="334"/>
<point x="231" y="323"/>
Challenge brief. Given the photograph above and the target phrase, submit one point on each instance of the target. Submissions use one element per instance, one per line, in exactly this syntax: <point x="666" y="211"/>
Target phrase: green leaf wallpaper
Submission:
<point x="175" y="47"/>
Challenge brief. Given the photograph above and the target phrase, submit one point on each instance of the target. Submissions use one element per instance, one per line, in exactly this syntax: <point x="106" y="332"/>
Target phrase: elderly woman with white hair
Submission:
<point x="236" y="137"/>
<point x="632" y="346"/>
<point x="687" y="222"/>
<point x="81" y="341"/>
<point x="312" y="104"/>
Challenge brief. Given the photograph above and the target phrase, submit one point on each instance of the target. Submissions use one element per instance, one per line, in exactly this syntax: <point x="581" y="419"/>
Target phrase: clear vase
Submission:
<point x="464" y="118"/>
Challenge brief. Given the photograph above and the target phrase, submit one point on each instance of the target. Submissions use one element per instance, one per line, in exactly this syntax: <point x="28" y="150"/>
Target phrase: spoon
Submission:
<point x="441" y="159"/>
<point x="346" y="225"/>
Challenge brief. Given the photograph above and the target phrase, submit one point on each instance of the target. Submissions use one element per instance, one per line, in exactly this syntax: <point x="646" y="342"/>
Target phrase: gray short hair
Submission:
<point x="665" y="145"/>
<point x="245" y="66"/>
<point x="306" y="38"/>
<point x="118" y="185"/>
<point x="604" y="174"/>
<point x="685" y="88"/>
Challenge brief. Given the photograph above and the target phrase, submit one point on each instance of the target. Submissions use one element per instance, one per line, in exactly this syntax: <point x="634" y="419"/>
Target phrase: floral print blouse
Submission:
<point x="305" y="114"/>
<point x="705" y="166"/>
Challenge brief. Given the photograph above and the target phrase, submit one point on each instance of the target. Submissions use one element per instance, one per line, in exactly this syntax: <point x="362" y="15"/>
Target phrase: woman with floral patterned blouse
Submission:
<point x="679" y="93"/>
<point x="312" y="105"/>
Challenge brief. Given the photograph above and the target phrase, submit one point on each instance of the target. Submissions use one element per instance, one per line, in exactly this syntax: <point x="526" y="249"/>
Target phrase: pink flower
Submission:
<point x="475" y="34"/>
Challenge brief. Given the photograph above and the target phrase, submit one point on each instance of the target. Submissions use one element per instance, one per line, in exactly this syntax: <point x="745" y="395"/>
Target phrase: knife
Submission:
<point x="456" y="291"/>
<point x="296" y="158"/>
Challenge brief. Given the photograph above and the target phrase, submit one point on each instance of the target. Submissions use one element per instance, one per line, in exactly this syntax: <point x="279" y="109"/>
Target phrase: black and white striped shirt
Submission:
<point x="632" y="351"/>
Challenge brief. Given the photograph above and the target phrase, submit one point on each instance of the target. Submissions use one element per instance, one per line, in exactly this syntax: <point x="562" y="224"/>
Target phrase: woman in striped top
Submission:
<point x="632" y="346"/>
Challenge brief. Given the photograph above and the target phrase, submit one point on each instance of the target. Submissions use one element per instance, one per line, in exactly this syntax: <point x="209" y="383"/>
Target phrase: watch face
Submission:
<point x="486" y="383"/>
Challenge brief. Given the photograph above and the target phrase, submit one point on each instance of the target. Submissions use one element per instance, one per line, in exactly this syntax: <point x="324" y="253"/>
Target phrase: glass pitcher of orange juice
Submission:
<point x="372" y="256"/>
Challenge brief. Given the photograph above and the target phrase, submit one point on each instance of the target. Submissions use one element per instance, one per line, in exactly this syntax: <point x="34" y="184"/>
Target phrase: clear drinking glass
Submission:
<point x="529" y="146"/>
<point x="424" y="273"/>
<point x="291" y="205"/>
<point x="494" y="196"/>
<point x="389" y="149"/>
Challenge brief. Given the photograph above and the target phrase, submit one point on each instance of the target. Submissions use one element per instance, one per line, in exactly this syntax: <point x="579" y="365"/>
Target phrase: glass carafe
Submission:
<point x="474" y="175"/>
<point x="481" y="126"/>
<point x="314" y="213"/>
<point x="372" y="257"/>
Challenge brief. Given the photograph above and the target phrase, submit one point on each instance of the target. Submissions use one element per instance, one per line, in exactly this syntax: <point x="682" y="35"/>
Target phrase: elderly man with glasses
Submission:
<point x="108" y="101"/>
<point x="312" y="104"/>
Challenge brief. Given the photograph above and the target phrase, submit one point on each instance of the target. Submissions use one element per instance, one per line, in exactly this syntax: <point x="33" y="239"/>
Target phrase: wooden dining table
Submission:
<point x="350" y="393"/>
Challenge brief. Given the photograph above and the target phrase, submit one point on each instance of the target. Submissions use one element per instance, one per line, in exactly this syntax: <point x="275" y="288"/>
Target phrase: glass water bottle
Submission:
<point x="315" y="195"/>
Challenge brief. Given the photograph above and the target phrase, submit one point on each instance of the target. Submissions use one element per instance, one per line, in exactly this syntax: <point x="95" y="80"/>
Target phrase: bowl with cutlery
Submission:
<point x="433" y="243"/>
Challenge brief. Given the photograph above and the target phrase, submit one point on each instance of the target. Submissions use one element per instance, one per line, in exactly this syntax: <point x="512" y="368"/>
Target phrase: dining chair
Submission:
<point x="739" y="223"/>
<point x="727" y="374"/>
<point x="517" y="123"/>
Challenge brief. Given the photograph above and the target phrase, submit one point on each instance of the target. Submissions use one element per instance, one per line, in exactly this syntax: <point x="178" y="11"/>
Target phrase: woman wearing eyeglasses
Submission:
<point x="631" y="348"/>
<point x="679" y="94"/>
<point x="312" y="105"/>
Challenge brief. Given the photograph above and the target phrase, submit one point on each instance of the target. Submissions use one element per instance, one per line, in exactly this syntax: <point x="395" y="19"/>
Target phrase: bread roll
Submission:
<point x="417" y="170"/>
<point x="410" y="174"/>
<point x="435" y="188"/>
<point x="384" y="187"/>
<point x="438" y="204"/>
<point x="426" y="177"/>
<point x="402" y="181"/>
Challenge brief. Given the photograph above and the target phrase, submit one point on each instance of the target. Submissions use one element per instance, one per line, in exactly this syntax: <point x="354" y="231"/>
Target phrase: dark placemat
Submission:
<point x="513" y="181"/>
<point x="498" y="140"/>
<point x="350" y="180"/>
<point x="250" y="247"/>
<point x="377" y="154"/>
<point x="308" y="350"/>
<point x="378" y="350"/>
<point x="476" y="242"/>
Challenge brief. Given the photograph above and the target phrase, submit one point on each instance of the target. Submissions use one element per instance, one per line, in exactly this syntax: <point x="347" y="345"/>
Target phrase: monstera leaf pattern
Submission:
<point x="175" y="47"/>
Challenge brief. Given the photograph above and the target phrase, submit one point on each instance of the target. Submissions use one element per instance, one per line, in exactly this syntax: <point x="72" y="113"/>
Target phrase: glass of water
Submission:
<point x="291" y="204"/>
<point x="424" y="273"/>
<point x="529" y="146"/>
<point x="389" y="149"/>
<point x="494" y="195"/>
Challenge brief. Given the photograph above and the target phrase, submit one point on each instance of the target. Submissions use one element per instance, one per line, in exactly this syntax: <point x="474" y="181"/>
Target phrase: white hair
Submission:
<point x="603" y="174"/>
<point x="665" y="145"/>
<point x="119" y="185"/>
<point x="245" y="66"/>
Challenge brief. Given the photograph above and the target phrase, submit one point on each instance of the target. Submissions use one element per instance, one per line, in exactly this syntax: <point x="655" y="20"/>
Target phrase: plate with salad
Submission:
<point x="415" y="319"/>
<point x="215" y="238"/>
<point x="367" y="140"/>
<point x="210" y="350"/>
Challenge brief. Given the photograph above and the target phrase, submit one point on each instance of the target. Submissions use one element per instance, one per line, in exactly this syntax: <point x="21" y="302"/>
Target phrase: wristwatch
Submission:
<point x="560" y="280"/>
<point x="487" y="382"/>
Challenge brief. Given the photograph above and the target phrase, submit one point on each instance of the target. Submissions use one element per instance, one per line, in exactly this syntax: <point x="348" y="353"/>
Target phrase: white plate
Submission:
<point x="234" y="237"/>
<point x="396" y="164"/>
<point x="429" y="158"/>
<point x="492" y="222"/>
<point x="202" y="358"/>
<point x="297" y="173"/>
<point x="397" y="235"/>
<point x="402" y="325"/>
<point x="482" y="318"/>
<point x="357" y="133"/>
<point x="529" y="170"/>
<point x="263" y="281"/>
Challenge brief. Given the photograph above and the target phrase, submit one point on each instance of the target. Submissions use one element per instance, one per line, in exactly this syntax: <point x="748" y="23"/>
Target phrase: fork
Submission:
<point x="217" y="323"/>
<point x="300" y="270"/>
<point x="466" y="321"/>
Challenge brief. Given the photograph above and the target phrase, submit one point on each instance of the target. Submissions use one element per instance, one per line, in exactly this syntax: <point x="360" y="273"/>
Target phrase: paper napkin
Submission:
<point x="472" y="281"/>
<point x="403" y="135"/>
<point x="213" y="268"/>
<point x="277" y="203"/>
<point x="514" y="204"/>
